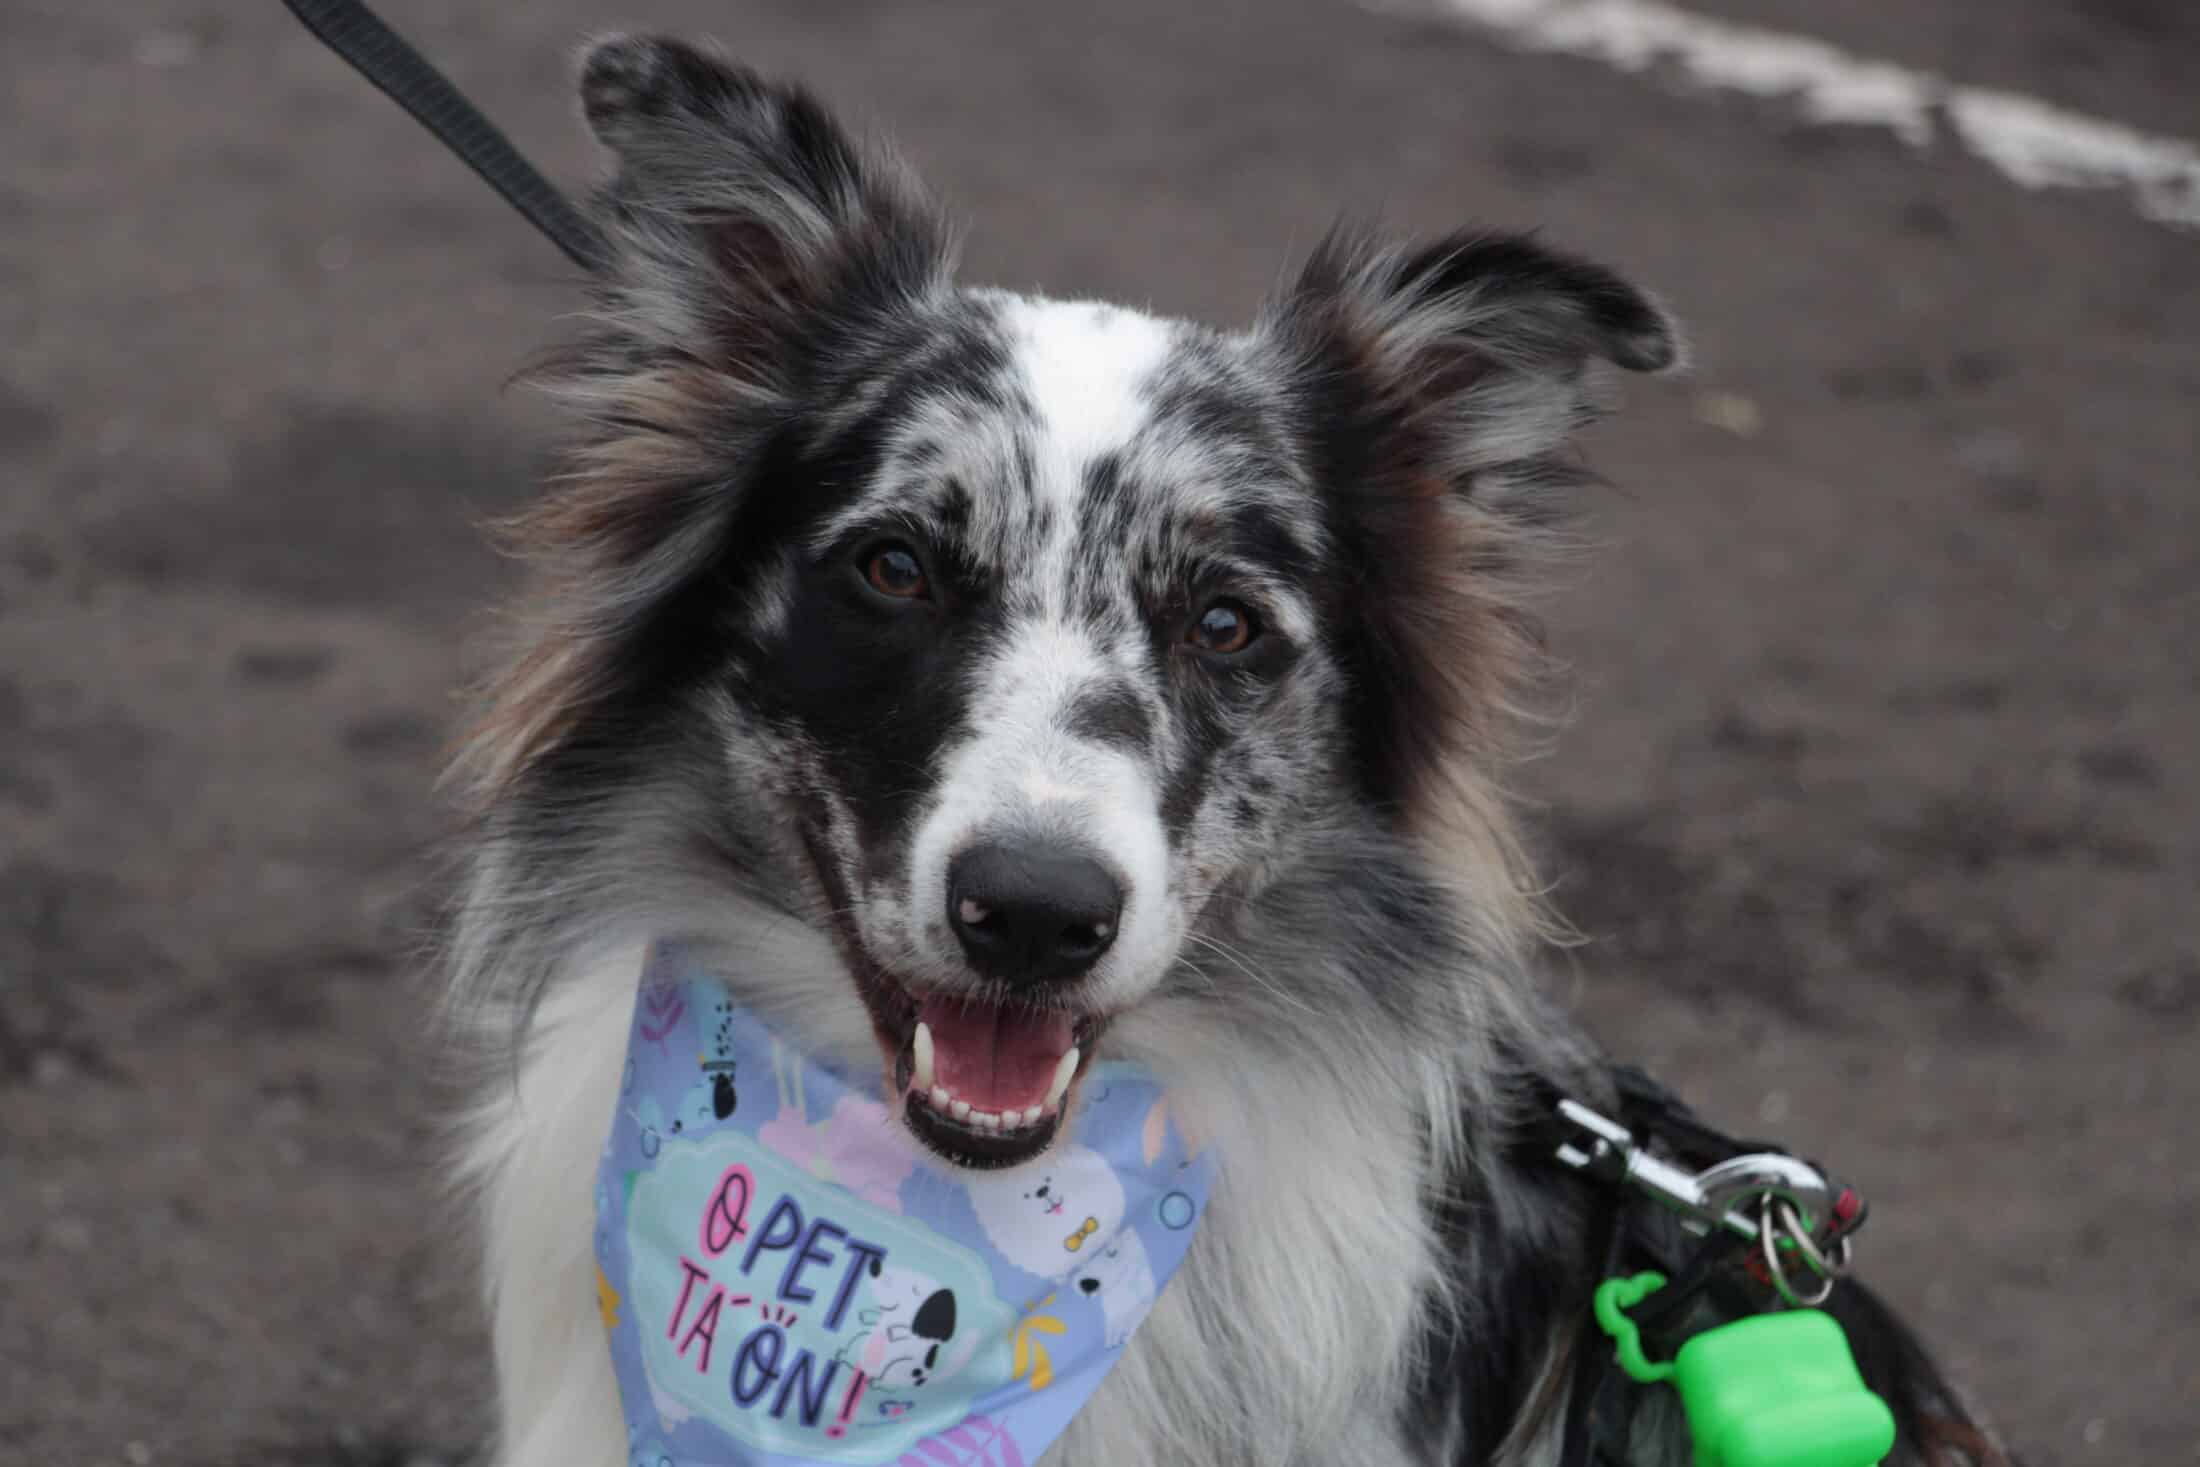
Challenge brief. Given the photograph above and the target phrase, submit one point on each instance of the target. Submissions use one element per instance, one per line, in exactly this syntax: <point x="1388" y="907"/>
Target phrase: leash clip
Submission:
<point x="1607" y="1150"/>
<point x="1781" y="1203"/>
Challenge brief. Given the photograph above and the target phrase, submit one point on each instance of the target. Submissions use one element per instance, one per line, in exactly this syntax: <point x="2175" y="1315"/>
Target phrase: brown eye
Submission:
<point x="1224" y="627"/>
<point x="893" y="570"/>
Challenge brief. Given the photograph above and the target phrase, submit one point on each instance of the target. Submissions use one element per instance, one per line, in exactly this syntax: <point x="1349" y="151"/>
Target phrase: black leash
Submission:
<point x="384" y="58"/>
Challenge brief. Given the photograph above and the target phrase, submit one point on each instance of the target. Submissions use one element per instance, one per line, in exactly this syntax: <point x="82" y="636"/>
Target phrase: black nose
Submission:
<point x="1031" y="913"/>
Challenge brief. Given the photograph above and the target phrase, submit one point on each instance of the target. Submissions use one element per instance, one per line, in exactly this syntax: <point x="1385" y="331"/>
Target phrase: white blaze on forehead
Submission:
<point x="1080" y="369"/>
<point x="1084" y="367"/>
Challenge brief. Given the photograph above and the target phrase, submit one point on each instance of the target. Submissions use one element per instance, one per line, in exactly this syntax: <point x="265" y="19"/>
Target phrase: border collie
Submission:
<point x="1034" y="680"/>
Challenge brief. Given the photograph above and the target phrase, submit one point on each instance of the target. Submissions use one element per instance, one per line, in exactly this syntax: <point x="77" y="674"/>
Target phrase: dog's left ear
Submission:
<point x="1437" y="390"/>
<point x="1460" y="357"/>
<point x="745" y="222"/>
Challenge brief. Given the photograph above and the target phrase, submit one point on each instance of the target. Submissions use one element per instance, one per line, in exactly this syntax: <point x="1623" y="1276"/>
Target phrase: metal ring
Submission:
<point x="1792" y="1224"/>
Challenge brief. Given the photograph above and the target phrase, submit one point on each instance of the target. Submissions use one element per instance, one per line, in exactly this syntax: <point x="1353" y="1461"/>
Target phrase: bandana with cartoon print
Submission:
<point x="787" y="1277"/>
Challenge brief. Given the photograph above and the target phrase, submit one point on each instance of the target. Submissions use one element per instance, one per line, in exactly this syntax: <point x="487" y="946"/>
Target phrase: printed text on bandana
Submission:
<point x="818" y="1317"/>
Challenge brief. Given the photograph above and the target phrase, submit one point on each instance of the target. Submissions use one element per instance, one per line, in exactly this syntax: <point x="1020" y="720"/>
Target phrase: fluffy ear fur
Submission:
<point x="746" y="221"/>
<point x="1438" y="389"/>
<point x="755" y="248"/>
<point x="1465" y="356"/>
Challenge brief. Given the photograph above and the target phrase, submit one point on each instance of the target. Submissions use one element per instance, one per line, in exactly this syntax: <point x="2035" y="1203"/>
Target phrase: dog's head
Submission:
<point x="1014" y="643"/>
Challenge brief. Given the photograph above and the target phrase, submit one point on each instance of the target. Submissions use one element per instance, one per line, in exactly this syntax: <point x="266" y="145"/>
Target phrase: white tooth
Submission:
<point x="1031" y="1116"/>
<point x="923" y="1077"/>
<point x="987" y="1120"/>
<point x="940" y="1098"/>
<point x="1064" y="1071"/>
<point x="962" y="1110"/>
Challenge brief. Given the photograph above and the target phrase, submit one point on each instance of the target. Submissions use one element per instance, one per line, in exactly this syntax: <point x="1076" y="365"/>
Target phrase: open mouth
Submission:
<point x="986" y="1084"/>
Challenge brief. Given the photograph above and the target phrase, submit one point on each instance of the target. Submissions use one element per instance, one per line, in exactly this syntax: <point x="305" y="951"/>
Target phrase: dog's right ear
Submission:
<point x="751" y="242"/>
<point x="744" y="220"/>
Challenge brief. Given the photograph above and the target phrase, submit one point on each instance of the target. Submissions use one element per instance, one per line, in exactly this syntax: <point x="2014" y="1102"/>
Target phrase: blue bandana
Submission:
<point x="787" y="1277"/>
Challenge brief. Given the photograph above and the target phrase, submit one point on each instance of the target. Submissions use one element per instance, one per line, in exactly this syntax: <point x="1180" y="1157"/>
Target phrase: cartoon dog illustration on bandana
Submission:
<point x="1064" y="1221"/>
<point x="909" y="1332"/>
<point x="1121" y="1278"/>
<point x="1045" y="1217"/>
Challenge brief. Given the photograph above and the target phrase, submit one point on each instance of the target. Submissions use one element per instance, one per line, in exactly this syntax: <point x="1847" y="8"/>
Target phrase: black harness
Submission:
<point x="1638" y="1166"/>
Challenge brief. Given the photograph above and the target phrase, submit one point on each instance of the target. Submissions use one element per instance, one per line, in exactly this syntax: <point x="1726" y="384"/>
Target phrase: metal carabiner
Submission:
<point x="1610" y="1152"/>
<point x="1758" y="1197"/>
<point x="1766" y="1175"/>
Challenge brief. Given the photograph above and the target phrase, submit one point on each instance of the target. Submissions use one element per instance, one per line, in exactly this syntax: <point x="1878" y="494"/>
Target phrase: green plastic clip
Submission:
<point x="1774" y="1390"/>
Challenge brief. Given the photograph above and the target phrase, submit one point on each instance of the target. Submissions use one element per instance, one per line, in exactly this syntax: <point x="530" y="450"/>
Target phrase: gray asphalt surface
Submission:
<point x="1877" y="796"/>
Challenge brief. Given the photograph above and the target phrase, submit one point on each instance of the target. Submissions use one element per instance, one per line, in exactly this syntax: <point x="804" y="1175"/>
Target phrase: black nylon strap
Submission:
<point x="1591" y="1368"/>
<point x="382" y="56"/>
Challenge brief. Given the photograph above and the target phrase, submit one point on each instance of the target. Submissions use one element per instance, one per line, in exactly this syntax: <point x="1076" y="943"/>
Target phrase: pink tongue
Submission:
<point x="994" y="1058"/>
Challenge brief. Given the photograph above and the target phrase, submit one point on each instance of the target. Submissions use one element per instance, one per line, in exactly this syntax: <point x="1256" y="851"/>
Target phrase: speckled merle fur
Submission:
<point x="710" y="727"/>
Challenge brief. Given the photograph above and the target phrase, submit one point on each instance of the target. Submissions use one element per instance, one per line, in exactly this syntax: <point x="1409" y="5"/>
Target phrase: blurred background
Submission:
<point x="1878" y="793"/>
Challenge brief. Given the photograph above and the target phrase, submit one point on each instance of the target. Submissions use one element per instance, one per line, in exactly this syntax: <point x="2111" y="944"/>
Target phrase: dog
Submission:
<point x="989" y="683"/>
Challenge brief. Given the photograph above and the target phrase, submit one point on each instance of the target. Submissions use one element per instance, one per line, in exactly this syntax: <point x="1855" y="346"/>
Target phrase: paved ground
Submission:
<point x="1879" y="791"/>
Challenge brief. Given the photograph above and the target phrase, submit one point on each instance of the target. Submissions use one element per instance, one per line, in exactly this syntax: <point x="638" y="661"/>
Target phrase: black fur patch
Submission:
<point x="878" y="685"/>
<point x="1112" y="715"/>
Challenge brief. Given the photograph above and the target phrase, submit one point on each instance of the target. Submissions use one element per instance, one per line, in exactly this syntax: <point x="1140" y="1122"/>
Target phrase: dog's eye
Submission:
<point x="894" y="570"/>
<point x="1224" y="627"/>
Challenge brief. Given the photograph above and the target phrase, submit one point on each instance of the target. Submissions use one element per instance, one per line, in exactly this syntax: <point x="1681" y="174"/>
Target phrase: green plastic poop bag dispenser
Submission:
<point x="1773" y="1390"/>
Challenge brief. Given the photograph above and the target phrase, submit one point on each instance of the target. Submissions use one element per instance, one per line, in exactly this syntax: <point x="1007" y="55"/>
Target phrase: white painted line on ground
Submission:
<point x="2034" y="143"/>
